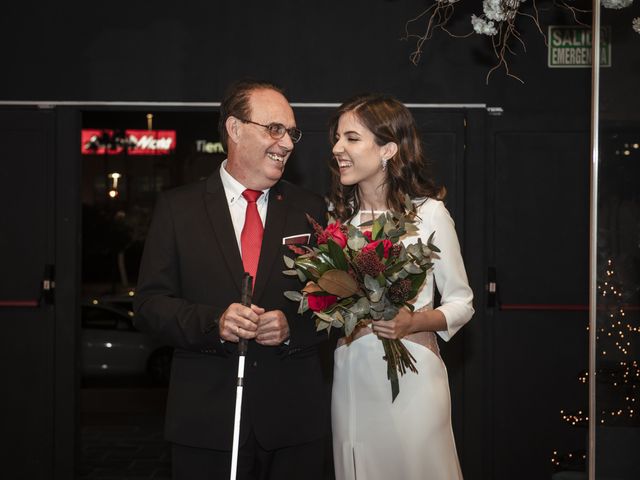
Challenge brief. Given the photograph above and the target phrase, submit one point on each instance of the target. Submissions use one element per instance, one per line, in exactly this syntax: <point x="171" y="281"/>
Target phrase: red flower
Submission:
<point x="320" y="302"/>
<point x="367" y="235"/>
<point x="335" y="232"/>
<point x="388" y="245"/>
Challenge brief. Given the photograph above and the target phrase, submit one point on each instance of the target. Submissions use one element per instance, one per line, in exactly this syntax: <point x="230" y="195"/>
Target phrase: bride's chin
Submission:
<point x="345" y="181"/>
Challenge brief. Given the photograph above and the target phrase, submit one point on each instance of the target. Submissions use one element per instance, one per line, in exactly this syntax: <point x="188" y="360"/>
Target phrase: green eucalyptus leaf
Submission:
<point x="410" y="228"/>
<point x="377" y="306"/>
<point x="408" y="204"/>
<point x="371" y="283"/>
<point x="324" y="317"/>
<point x="301" y="275"/>
<point x="289" y="262"/>
<point x="412" y="268"/>
<point x="395" y="233"/>
<point x="356" y="243"/>
<point x="293" y="295"/>
<point x="304" y="305"/>
<point x="322" y="325"/>
<point x="361" y="307"/>
<point x="426" y="265"/>
<point x="291" y="273"/>
<point x="350" y="323"/>
<point x="376" y="296"/>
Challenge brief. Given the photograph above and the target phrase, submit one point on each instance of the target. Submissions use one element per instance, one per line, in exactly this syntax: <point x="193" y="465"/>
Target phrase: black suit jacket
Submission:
<point x="190" y="273"/>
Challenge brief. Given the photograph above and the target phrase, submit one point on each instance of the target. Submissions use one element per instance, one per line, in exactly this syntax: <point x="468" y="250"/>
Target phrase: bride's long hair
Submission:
<point x="408" y="172"/>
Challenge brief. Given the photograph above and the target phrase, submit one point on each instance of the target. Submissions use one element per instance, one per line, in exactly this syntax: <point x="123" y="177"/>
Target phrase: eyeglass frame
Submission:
<point x="294" y="133"/>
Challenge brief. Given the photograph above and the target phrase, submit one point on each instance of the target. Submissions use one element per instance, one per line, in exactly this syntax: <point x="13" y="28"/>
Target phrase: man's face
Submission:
<point x="256" y="159"/>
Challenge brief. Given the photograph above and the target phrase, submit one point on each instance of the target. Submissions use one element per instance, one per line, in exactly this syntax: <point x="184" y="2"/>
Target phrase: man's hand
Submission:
<point x="239" y="322"/>
<point x="273" y="328"/>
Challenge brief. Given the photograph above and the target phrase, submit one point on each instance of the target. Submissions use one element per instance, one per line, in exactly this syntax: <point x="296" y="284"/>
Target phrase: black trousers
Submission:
<point x="307" y="461"/>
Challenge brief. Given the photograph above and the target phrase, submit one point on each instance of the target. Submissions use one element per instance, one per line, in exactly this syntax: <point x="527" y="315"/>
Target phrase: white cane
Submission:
<point x="247" y="293"/>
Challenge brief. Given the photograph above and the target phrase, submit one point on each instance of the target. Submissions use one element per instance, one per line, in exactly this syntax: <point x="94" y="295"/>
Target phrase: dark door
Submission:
<point x="32" y="444"/>
<point x="537" y="327"/>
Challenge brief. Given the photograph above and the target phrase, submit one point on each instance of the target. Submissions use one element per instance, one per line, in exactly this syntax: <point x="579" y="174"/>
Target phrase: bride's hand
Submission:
<point x="399" y="327"/>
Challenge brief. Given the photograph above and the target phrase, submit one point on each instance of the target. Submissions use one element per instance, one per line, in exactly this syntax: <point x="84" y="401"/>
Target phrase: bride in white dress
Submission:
<point x="379" y="159"/>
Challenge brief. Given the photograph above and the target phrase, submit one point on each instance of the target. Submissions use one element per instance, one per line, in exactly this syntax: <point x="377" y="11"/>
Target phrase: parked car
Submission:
<point x="123" y="301"/>
<point x="112" y="346"/>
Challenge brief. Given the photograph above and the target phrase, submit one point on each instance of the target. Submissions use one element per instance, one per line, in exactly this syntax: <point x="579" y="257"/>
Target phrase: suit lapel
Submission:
<point x="218" y="212"/>
<point x="272" y="239"/>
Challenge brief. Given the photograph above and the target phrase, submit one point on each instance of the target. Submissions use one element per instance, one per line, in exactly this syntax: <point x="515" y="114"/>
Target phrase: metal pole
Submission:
<point x="593" y="233"/>
<point x="247" y="293"/>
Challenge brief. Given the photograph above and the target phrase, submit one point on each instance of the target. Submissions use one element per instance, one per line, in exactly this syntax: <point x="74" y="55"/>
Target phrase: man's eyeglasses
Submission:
<point x="277" y="130"/>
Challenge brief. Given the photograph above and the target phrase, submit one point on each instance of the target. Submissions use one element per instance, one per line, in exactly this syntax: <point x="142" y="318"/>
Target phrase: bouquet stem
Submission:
<point x="399" y="359"/>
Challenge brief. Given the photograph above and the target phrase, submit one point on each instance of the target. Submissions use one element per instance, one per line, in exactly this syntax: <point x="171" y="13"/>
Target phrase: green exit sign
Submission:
<point x="570" y="47"/>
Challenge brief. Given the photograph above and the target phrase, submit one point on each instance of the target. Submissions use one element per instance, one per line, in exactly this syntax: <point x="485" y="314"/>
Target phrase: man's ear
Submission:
<point x="232" y="124"/>
<point x="389" y="150"/>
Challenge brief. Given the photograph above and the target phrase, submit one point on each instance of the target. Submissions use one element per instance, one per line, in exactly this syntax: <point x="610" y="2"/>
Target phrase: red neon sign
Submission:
<point x="134" y="142"/>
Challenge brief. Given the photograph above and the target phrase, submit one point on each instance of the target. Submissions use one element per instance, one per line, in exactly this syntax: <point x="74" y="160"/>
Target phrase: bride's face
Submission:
<point x="357" y="153"/>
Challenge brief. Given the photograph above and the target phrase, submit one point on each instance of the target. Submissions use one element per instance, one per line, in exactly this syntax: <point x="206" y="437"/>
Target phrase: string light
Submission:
<point x="617" y="372"/>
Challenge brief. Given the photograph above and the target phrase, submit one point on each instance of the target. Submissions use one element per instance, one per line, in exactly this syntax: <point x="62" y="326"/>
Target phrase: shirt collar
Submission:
<point x="233" y="188"/>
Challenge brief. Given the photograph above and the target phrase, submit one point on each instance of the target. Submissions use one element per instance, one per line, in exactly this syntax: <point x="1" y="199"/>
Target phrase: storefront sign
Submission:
<point x="570" y="47"/>
<point x="205" y="146"/>
<point x="134" y="142"/>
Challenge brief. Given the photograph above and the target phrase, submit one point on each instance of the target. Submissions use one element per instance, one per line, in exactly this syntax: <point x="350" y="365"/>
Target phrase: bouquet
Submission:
<point x="353" y="276"/>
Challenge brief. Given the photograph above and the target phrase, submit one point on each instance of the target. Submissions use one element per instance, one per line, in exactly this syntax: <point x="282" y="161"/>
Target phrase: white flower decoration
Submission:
<point x="482" y="26"/>
<point x="616" y="4"/>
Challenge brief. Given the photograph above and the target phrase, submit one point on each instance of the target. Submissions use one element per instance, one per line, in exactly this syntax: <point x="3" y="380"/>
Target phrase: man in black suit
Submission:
<point x="189" y="292"/>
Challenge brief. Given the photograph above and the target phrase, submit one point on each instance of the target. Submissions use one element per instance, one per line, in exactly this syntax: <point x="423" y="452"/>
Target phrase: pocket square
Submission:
<point x="301" y="238"/>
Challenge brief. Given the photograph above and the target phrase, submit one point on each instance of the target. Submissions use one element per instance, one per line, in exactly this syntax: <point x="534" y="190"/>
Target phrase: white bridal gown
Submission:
<point x="411" y="438"/>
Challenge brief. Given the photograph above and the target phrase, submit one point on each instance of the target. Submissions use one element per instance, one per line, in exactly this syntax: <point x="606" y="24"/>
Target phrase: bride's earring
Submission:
<point x="384" y="161"/>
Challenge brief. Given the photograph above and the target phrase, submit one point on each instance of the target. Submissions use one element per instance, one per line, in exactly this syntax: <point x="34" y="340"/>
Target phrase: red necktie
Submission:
<point x="251" y="236"/>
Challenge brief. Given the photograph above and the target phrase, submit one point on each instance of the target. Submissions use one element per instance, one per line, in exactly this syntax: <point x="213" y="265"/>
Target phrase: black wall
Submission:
<point x="320" y="51"/>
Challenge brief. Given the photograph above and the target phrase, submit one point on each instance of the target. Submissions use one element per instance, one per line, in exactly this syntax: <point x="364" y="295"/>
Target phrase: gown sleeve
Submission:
<point x="449" y="273"/>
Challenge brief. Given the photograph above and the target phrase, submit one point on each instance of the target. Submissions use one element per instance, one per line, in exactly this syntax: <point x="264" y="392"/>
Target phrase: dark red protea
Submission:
<point x="368" y="263"/>
<point x="399" y="291"/>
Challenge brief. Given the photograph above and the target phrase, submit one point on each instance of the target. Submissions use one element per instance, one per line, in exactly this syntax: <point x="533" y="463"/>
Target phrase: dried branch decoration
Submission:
<point x="498" y="20"/>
